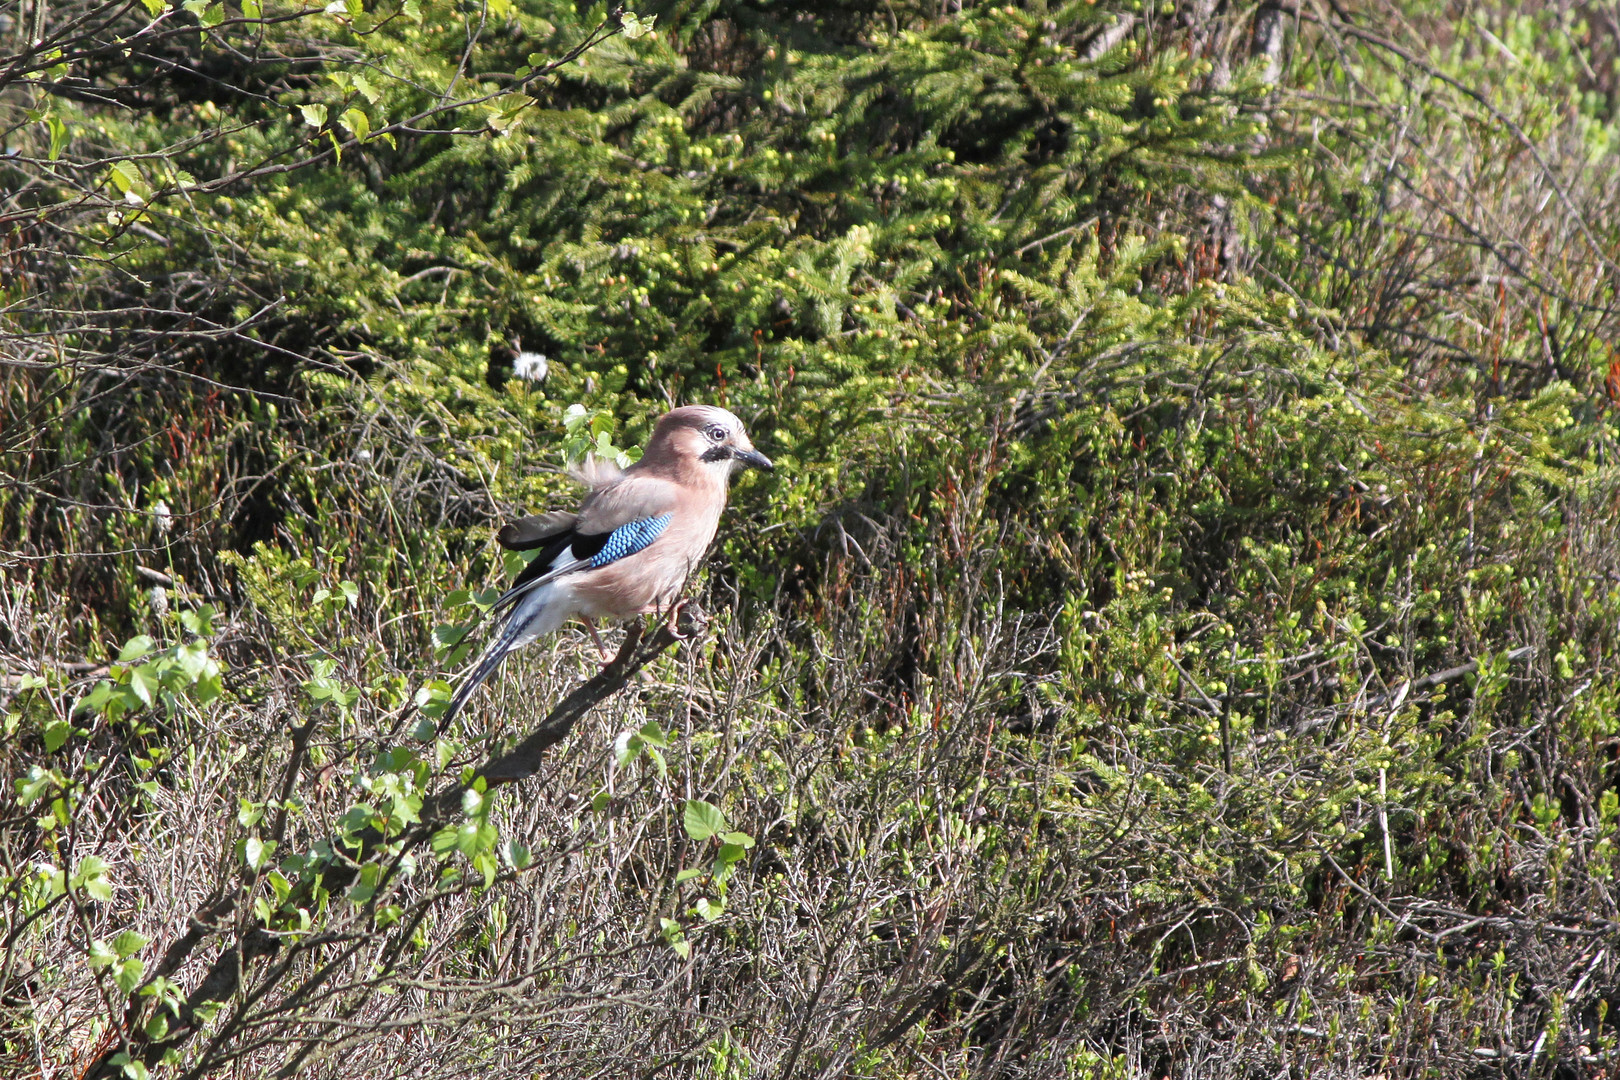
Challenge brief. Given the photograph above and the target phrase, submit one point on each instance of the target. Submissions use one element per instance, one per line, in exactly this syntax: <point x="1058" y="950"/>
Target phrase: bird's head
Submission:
<point x="709" y="436"/>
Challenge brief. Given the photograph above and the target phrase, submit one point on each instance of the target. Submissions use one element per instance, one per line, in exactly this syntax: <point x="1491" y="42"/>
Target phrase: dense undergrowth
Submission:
<point x="1179" y="639"/>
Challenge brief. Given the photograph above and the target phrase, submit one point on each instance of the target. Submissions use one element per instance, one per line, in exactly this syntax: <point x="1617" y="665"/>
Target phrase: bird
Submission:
<point x="630" y="547"/>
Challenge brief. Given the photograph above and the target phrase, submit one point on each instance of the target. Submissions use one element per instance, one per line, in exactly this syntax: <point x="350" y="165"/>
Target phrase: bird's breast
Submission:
<point x="652" y="578"/>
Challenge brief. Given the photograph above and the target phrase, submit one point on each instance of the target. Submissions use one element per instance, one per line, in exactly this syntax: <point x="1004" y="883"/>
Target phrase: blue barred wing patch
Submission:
<point x="629" y="538"/>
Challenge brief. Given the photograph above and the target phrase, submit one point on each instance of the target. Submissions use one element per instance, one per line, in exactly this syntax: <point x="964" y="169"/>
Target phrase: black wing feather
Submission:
<point x="579" y="546"/>
<point x="535" y="530"/>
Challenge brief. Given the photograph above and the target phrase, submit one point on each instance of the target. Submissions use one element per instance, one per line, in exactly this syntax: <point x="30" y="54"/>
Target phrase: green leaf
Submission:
<point x="56" y="733"/>
<point x="135" y="1070"/>
<point x="507" y="111"/>
<point x="102" y="954"/>
<point x="200" y="621"/>
<point x="676" y="937"/>
<point x="251" y="9"/>
<point x="143" y="682"/>
<point x="314" y="115"/>
<point x="475" y="838"/>
<point x="97" y="699"/>
<point x="449" y="635"/>
<point x="445" y="840"/>
<point x="405" y="809"/>
<point x="59" y="136"/>
<point x="207" y="688"/>
<point x="634" y="26"/>
<point x="248" y="813"/>
<point x="703" y="820"/>
<point x="256" y="851"/>
<point x="193" y="659"/>
<point x="124" y="174"/>
<point x="279" y="885"/>
<point x="127" y="976"/>
<point x="626" y="748"/>
<point x="433" y="698"/>
<point x="519" y="856"/>
<point x="154" y="8"/>
<point x="128" y="942"/>
<point x="33" y="785"/>
<point x="92" y="876"/>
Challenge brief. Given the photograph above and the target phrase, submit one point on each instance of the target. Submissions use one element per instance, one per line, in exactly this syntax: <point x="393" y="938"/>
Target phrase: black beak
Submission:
<point x="754" y="458"/>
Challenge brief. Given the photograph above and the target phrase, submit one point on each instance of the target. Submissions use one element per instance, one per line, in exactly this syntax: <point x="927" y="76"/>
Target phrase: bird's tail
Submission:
<point x="527" y="621"/>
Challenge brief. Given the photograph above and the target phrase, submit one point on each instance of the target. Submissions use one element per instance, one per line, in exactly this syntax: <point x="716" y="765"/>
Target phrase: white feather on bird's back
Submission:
<point x="595" y="472"/>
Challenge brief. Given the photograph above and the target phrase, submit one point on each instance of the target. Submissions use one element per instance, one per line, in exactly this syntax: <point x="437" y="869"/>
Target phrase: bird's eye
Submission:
<point x="716" y="433"/>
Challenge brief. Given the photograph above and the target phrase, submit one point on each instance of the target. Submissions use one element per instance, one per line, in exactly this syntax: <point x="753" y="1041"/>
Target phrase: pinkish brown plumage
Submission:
<point x="633" y="543"/>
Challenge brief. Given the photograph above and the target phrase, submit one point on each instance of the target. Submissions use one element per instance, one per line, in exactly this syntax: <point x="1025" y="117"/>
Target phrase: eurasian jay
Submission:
<point x="633" y="543"/>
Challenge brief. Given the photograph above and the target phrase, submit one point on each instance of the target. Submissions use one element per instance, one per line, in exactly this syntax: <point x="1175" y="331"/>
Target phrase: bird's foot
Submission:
<point x="686" y="620"/>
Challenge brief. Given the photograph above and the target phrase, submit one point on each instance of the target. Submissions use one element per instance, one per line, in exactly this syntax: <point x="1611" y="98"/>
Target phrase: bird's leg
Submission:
<point x="673" y="619"/>
<point x="601" y="649"/>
